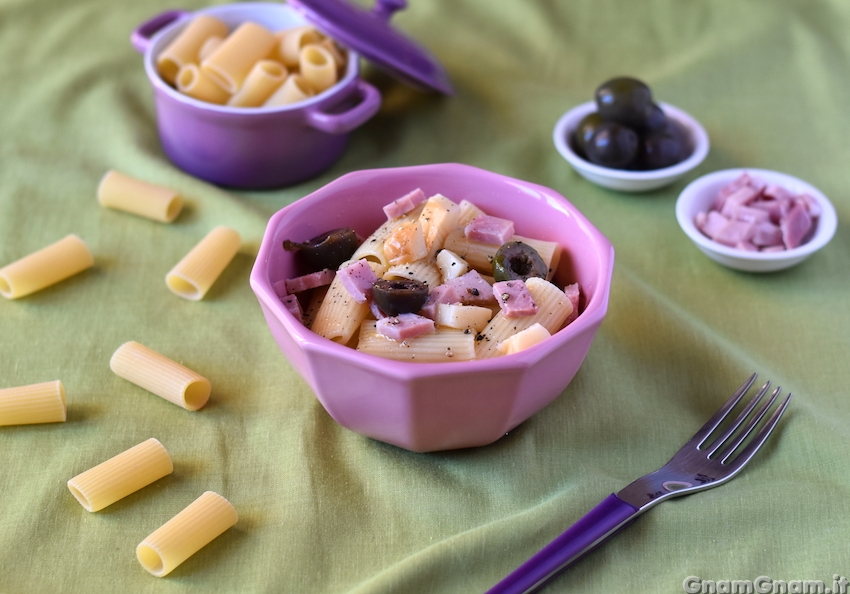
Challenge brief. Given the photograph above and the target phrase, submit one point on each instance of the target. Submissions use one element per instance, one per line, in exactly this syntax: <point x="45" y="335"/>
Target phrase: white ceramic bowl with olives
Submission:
<point x="626" y="141"/>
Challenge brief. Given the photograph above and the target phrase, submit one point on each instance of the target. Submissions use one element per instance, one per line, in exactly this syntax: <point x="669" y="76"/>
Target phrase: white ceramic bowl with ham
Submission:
<point x="755" y="220"/>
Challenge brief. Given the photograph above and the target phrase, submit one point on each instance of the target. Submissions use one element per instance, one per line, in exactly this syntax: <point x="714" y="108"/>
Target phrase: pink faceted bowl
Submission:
<point x="426" y="407"/>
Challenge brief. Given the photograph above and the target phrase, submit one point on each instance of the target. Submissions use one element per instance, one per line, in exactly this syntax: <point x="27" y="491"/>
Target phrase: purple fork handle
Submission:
<point x="596" y="526"/>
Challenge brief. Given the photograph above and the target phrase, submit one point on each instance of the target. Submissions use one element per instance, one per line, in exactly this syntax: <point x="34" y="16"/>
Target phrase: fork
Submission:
<point x="695" y="467"/>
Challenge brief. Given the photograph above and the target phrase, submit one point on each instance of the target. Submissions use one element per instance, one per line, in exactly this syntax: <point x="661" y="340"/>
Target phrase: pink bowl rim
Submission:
<point x="592" y="315"/>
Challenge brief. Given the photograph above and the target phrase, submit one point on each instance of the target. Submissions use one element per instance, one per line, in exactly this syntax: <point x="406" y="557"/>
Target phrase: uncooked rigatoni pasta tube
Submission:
<point x="206" y="518"/>
<point x="263" y="80"/>
<point x="138" y="197"/>
<point x="230" y="63"/>
<point x="292" y="40"/>
<point x="293" y="90"/>
<point x="36" y="403"/>
<point x="193" y="276"/>
<point x="209" y="46"/>
<point x="158" y="374"/>
<point x="47" y="266"/>
<point x="195" y="83"/>
<point x="121" y="475"/>
<point x="317" y="67"/>
<point x="186" y="46"/>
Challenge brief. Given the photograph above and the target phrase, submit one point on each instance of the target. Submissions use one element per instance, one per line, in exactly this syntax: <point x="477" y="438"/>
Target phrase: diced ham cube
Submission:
<point x="795" y="227"/>
<point x="441" y="294"/>
<point x="767" y="234"/>
<point x="280" y="288"/>
<point x="309" y="281"/>
<point x="746" y="246"/>
<point x="740" y="212"/>
<point x="490" y="230"/>
<point x="735" y="232"/>
<point x="404" y="205"/>
<point x="404" y="326"/>
<point x="713" y="224"/>
<point x="812" y="205"/>
<point x="514" y="299"/>
<point x="293" y="306"/>
<point x="472" y="289"/>
<point x="358" y="278"/>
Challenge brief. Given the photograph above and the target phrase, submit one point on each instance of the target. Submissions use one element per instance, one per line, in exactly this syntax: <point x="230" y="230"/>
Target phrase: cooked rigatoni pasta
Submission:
<point x="263" y="80"/>
<point x="339" y="315"/>
<point x="420" y="270"/>
<point x="45" y="267"/>
<point x="121" y="475"/>
<point x="158" y="374"/>
<point x="291" y="41"/>
<point x="206" y="518"/>
<point x="317" y="67"/>
<point x="185" y="48"/>
<point x="193" y="276"/>
<point x="293" y="90"/>
<point x="195" y="83"/>
<point x="138" y="197"/>
<point x="553" y="309"/>
<point x="33" y="404"/>
<point x="480" y="255"/>
<point x="440" y="303"/>
<point x="230" y="63"/>
<point x="447" y="345"/>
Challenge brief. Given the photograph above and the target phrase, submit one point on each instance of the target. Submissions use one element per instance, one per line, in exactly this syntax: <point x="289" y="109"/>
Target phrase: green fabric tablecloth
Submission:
<point x="325" y="510"/>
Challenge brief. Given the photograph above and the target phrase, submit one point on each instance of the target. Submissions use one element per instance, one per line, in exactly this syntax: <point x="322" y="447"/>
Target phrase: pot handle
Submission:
<point x="339" y="123"/>
<point x="141" y="36"/>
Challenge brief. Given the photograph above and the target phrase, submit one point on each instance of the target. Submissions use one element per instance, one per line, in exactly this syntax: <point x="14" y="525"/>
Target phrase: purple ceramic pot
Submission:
<point x="260" y="147"/>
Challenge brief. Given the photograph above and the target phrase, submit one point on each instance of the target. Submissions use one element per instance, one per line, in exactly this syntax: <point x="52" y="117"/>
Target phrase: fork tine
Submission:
<point x="729" y="449"/>
<point x="712" y="424"/>
<point x="759" y="439"/>
<point x="736" y="424"/>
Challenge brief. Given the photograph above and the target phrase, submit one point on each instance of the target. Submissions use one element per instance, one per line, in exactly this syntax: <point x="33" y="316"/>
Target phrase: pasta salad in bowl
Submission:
<point x="433" y="307"/>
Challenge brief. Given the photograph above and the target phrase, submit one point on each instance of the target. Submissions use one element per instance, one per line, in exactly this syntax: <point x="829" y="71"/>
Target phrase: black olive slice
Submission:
<point x="328" y="250"/>
<point x="400" y="296"/>
<point x="518" y="261"/>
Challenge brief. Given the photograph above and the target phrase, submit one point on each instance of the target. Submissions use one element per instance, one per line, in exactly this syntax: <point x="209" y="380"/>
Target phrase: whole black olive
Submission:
<point x="518" y="261"/>
<point x="665" y="147"/>
<point x="624" y="100"/>
<point x="328" y="250"/>
<point x="584" y="131"/>
<point x="399" y="296"/>
<point x="613" y="145"/>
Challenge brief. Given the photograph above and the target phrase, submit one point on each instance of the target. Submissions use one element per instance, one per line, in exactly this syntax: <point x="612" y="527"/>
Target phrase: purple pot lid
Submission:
<point x="370" y="34"/>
